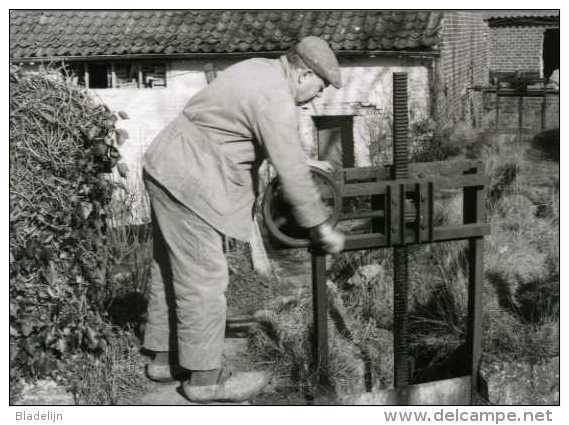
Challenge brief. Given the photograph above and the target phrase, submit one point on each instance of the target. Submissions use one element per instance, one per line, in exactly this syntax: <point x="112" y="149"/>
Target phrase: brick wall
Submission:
<point x="520" y="48"/>
<point x="367" y="95"/>
<point x="463" y="64"/>
<point x="516" y="48"/>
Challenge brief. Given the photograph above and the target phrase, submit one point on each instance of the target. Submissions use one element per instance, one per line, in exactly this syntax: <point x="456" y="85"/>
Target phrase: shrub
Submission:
<point x="428" y="140"/>
<point x="61" y="144"/>
<point x="508" y="338"/>
<point x="545" y="145"/>
<point x="432" y="142"/>
<point x="521" y="247"/>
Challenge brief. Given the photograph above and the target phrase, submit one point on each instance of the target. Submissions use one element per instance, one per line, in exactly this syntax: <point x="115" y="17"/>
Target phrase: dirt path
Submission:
<point x="169" y="394"/>
<point x="293" y="270"/>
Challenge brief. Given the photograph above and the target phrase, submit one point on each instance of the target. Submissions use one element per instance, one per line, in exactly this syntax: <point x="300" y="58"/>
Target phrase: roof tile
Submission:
<point x="522" y="13"/>
<point x="83" y="33"/>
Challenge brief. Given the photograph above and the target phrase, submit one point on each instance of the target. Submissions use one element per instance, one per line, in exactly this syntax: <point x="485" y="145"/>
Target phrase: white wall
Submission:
<point x="367" y="87"/>
<point x="367" y="91"/>
<point x="149" y="111"/>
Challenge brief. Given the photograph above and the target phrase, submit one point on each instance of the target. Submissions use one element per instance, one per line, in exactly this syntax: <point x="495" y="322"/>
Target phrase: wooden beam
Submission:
<point x="417" y="170"/>
<point x="506" y="92"/>
<point x="379" y="188"/>
<point x="473" y="212"/>
<point x="225" y="55"/>
<point x="113" y="76"/>
<point x="544" y="108"/>
<point x="439" y="234"/>
<point x="367" y="241"/>
<point x="425" y="210"/>
<point x="320" y="315"/>
<point x="140" y="77"/>
<point x="460" y="231"/>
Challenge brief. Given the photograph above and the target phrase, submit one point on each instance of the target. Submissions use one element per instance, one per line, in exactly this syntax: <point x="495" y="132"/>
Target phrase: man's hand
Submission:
<point x="327" y="238"/>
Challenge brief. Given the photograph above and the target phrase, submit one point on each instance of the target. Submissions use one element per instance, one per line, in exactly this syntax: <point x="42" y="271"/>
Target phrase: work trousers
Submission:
<point x="187" y="305"/>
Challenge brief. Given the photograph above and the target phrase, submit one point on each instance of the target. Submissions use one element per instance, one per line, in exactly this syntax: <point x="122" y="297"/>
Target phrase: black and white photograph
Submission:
<point x="285" y="207"/>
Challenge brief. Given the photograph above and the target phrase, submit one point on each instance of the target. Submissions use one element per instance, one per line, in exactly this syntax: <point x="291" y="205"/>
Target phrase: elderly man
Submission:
<point x="200" y="173"/>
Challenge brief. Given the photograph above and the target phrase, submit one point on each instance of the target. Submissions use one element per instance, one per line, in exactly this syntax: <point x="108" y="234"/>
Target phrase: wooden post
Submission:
<point x="400" y="253"/>
<point x="473" y="211"/>
<point x="544" y="106"/>
<point x="320" y="315"/>
<point x="210" y="72"/>
<point x="498" y="106"/>
<point x="140" y="77"/>
<point x="378" y="224"/>
<point x="86" y="74"/>
<point x="113" y="76"/>
<point x="520" y="116"/>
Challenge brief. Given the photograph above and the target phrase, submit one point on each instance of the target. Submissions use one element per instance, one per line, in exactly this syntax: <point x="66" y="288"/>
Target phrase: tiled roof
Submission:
<point x="522" y="18"/>
<point x="53" y="33"/>
<point x="522" y="13"/>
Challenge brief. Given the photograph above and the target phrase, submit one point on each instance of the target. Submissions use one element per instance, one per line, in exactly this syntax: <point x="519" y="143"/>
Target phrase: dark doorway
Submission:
<point x="336" y="140"/>
<point x="550" y="52"/>
<point x="98" y="76"/>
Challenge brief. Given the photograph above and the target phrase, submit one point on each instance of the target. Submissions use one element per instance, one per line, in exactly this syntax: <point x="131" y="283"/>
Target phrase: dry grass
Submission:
<point x="114" y="377"/>
<point x="283" y="340"/>
<point x="521" y="290"/>
<point x="521" y="254"/>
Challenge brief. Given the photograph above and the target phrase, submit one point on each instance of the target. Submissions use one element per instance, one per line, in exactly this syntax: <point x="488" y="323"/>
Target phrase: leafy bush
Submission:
<point x="61" y="146"/>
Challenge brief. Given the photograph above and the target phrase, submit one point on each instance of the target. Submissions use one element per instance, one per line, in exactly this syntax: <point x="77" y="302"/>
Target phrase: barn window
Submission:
<point x="126" y="75"/>
<point x="99" y="75"/>
<point x="550" y="52"/>
<point x="335" y="138"/>
<point x="119" y="75"/>
<point x="153" y="75"/>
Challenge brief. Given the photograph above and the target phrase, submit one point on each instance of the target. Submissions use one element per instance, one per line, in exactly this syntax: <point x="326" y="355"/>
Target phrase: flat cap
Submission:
<point x="320" y="58"/>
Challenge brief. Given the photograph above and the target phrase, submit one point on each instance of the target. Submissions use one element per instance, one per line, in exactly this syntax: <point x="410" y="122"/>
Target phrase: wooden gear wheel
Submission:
<point x="277" y="213"/>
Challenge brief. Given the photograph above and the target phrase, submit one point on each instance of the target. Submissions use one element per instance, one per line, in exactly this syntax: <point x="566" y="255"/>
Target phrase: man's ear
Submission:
<point x="304" y="74"/>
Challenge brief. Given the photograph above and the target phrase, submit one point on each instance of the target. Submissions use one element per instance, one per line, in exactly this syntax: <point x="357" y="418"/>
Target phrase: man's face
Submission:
<point x="309" y="86"/>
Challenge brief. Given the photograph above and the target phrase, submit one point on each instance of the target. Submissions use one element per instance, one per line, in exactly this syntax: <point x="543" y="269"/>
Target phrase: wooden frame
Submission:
<point x="402" y="208"/>
<point x="427" y="179"/>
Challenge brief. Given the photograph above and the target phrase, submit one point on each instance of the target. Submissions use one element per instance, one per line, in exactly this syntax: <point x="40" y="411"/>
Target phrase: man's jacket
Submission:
<point x="208" y="157"/>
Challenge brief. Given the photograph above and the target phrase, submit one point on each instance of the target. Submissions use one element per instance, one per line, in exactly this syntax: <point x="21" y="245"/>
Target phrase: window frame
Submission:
<point x="84" y="69"/>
